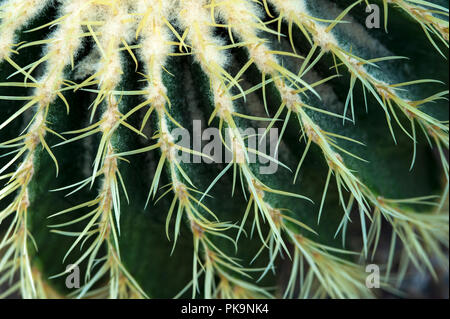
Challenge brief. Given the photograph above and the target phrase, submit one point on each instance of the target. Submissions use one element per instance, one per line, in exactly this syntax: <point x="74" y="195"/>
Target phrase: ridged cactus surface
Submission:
<point x="221" y="148"/>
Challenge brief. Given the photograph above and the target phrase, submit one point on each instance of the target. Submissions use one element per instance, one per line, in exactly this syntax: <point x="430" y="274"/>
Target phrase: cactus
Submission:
<point x="98" y="179"/>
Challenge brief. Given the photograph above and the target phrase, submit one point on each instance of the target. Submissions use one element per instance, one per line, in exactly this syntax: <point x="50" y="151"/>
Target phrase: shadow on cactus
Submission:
<point x="222" y="148"/>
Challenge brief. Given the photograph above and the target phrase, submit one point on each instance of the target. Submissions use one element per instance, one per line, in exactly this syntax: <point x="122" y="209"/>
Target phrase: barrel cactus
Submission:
<point x="222" y="148"/>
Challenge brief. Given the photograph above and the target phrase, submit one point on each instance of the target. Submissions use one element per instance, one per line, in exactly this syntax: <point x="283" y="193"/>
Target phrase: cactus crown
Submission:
<point x="94" y="176"/>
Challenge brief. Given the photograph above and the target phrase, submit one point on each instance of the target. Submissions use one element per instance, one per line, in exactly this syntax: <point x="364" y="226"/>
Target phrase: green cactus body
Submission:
<point x="104" y="170"/>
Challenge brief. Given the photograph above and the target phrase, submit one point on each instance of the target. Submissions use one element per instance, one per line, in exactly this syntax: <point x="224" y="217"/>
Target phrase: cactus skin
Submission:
<point x="97" y="97"/>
